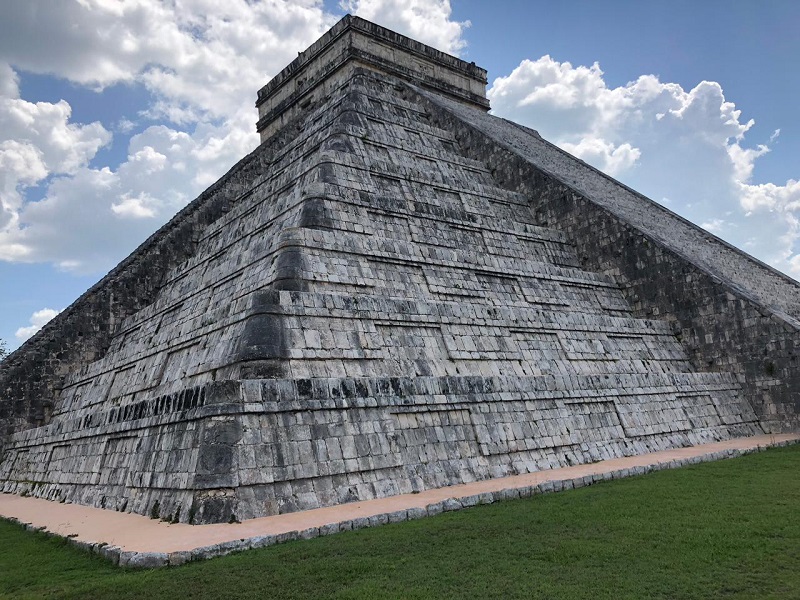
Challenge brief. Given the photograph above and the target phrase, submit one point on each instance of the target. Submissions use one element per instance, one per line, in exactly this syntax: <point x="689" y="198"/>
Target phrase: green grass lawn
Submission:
<point x="729" y="529"/>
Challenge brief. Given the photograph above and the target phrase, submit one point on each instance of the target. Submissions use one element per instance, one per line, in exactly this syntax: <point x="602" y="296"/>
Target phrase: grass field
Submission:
<point x="729" y="529"/>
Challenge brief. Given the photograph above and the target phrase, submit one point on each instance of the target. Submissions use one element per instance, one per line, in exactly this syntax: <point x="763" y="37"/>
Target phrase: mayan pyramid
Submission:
<point x="395" y="291"/>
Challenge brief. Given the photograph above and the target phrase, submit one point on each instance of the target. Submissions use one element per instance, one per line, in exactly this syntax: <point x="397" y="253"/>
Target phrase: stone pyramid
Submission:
<point x="394" y="291"/>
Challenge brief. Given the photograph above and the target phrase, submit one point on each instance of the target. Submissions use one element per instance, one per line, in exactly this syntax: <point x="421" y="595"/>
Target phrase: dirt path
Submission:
<point x="139" y="534"/>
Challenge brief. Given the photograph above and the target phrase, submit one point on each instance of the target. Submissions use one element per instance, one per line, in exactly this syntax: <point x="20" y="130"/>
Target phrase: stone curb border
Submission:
<point x="151" y="560"/>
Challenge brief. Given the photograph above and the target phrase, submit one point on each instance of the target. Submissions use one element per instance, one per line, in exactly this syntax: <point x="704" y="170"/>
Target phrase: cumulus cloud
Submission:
<point x="425" y="20"/>
<point x="91" y="219"/>
<point x="9" y="82"/>
<point x="665" y="141"/>
<point x="196" y="58"/>
<point x="63" y="146"/>
<point x="36" y="140"/>
<point x="125" y="125"/>
<point x="597" y="151"/>
<point x="21" y="162"/>
<point x="202" y="64"/>
<point x="38" y="320"/>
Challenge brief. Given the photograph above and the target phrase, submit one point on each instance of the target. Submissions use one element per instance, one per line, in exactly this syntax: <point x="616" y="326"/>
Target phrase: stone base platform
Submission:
<point x="136" y="541"/>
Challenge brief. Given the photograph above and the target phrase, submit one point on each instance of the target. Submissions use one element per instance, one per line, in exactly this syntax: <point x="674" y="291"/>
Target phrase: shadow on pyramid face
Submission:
<point x="396" y="291"/>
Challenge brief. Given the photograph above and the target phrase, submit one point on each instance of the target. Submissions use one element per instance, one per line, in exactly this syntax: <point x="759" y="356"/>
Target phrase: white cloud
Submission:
<point x="141" y="207"/>
<point x="427" y="21"/>
<point x="604" y="155"/>
<point x="743" y="160"/>
<point x="20" y="165"/>
<point x="88" y="221"/>
<point x="715" y="226"/>
<point x="9" y="82"/>
<point x="38" y="320"/>
<point x="203" y="64"/>
<point x="22" y="162"/>
<point x="197" y="57"/>
<point x="564" y="101"/>
<point x="64" y="146"/>
<point x="125" y="125"/>
<point x="664" y="141"/>
<point x="202" y="61"/>
<point x="37" y="140"/>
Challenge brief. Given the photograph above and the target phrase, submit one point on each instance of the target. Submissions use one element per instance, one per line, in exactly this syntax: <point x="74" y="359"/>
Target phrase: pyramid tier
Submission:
<point x="264" y="447"/>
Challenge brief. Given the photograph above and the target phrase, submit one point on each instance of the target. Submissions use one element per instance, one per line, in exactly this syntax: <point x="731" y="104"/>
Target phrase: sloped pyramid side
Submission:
<point x="731" y="312"/>
<point x="375" y="315"/>
<point x="33" y="375"/>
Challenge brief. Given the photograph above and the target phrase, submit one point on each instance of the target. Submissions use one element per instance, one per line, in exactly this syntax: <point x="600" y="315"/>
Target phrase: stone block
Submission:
<point x="143" y="560"/>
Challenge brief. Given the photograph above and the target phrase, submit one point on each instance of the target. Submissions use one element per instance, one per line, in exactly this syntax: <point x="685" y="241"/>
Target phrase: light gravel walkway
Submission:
<point x="135" y="540"/>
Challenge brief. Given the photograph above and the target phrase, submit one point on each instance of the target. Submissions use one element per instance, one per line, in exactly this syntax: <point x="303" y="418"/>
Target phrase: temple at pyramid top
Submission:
<point x="395" y="291"/>
<point x="354" y="42"/>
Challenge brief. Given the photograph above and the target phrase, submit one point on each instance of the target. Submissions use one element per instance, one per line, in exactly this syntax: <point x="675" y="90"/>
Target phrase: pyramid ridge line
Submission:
<point x="620" y="212"/>
<point x="709" y="236"/>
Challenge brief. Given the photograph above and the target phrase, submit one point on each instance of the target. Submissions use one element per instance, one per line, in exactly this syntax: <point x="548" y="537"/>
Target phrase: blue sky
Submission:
<point x="113" y="115"/>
